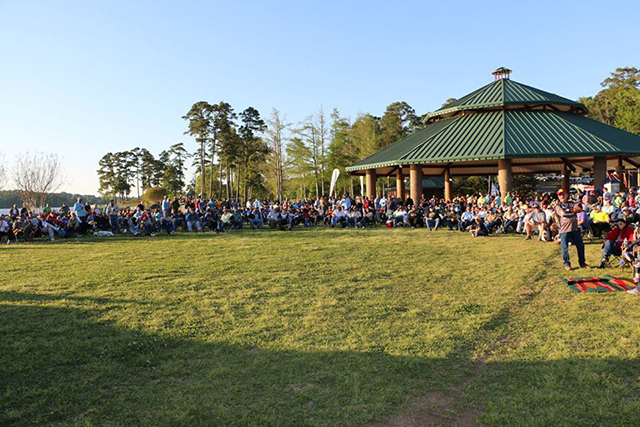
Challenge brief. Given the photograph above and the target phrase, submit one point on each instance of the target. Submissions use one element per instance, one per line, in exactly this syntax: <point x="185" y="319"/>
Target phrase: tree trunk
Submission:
<point x="213" y="153"/>
<point x="202" y="163"/>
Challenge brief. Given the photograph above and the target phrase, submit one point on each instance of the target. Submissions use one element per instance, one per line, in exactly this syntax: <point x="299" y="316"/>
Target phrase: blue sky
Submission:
<point x="81" y="78"/>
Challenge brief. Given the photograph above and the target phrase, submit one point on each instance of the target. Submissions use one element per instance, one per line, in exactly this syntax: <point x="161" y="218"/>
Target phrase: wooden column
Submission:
<point x="566" y="178"/>
<point x="505" y="177"/>
<point x="415" y="182"/>
<point x="400" y="190"/>
<point x="448" y="193"/>
<point x="638" y="177"/>
<point x="371" y="184"/>
<point x="619" y="172"/>
<point x="599" y="172"/>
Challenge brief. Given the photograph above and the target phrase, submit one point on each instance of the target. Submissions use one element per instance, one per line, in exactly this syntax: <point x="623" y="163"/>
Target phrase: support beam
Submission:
<point x="599" y="172"/>
<point x="448" y="193"/>
<point x="505" y="177"/>
<point x="619" y="172"/>
<point x="566" y="178"/>
<point x="400" y="190"/>
<point x="371" y="184"/>
<point x="415" y="182"/>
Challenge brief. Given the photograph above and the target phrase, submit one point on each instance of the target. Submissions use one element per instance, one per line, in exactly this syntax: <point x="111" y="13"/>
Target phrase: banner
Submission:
<point x="362" y="185"/>
<point x="334" y="180"/>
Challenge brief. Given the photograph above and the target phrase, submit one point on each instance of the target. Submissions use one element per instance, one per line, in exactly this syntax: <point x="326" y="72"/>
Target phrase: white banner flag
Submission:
<point x="334" y="180"/>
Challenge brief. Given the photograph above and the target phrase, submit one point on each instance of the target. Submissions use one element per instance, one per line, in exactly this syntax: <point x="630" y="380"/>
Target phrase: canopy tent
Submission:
<point x="504" y="128"/>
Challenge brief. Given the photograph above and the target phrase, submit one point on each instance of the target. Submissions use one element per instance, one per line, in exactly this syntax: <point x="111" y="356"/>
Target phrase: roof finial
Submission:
<point x="501" y="73"/>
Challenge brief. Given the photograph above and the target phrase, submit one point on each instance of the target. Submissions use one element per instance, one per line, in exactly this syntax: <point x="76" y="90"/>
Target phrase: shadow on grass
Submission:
<point x="64" y="366"/>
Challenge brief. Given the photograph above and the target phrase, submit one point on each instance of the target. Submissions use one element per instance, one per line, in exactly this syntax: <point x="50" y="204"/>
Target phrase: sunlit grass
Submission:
<point x="312" y="327"/>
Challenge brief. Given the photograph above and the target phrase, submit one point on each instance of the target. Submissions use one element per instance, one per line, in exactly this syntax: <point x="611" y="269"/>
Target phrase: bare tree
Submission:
<point x="3" y="172"/>
<point x="36" y="176"/>
<point x="276" y="140"/>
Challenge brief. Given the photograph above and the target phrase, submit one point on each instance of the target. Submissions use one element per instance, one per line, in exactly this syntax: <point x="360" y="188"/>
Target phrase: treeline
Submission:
<point x="242" y="155"/>
<point x="10" y="197"/>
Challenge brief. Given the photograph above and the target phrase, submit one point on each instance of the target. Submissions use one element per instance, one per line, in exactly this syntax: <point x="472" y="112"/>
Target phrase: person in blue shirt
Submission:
<point x="467" y="218"/>
<point x="81" y="213"/>
<point x="166" y="206"/>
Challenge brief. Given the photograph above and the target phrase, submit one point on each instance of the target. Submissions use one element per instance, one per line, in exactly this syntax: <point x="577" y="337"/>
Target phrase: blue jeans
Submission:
<point x="115" y="225"/>
<point x="575" y="238"/>
<point x="255" y="223"/>
<point x="435" y="223"/>
<point x="609" y="248"/>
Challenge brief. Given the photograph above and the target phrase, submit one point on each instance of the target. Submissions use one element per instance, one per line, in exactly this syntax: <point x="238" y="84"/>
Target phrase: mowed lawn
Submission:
<point x="311" y="328"/>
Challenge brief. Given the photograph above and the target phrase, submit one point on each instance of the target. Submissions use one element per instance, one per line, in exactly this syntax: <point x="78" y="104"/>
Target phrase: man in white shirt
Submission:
<point x="6" y="231"/>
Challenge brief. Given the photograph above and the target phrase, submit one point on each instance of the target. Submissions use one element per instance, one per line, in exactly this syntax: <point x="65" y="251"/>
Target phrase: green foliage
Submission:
<point x="618" y="104"/>
<point x="398" y="121"/>
<point x="154" y="195"/>
<point x="467" y="185"/>
<point x="524" y="184"/>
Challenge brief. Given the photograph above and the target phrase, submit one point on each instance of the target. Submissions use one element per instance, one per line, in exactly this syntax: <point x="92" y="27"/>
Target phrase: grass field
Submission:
<point x="311" y="328"/>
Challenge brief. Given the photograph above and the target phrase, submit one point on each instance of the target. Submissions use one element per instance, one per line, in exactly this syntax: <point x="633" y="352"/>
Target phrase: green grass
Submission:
<point x="314" y="327"/>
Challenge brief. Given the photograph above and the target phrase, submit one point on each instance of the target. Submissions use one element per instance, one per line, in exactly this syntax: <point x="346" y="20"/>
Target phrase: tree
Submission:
<point x="276" y="141"/>
<point x="398" y="121"/>
<point x="199" y="117"/>
<point x="365" y="134"/>
<point x="618" y="104"/>
<point x="224" y="129"/>
<point x="107" y="175"/>
<point x="300" y="164"/>
<point x="146" y="167"/>
<point x="3" y="172"/>
<point x="252" y="150"/>
<point x="342" y="151"/>
<point x="175" y="164"/>
<point x="36" y="176"/>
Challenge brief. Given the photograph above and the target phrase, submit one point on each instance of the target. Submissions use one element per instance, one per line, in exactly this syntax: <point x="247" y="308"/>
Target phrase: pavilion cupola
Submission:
<point x="501" y="73"/>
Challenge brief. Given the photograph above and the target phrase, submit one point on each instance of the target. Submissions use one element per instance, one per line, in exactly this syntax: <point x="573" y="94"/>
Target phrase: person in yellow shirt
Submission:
<point x="599" y="221"/>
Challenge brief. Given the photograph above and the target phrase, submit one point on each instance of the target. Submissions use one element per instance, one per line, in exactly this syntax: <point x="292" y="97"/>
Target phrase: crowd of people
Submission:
<point x="598" y="214"/>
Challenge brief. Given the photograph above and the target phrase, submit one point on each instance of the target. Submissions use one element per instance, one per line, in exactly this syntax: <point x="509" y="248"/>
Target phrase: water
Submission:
<point x="6" y="211"/>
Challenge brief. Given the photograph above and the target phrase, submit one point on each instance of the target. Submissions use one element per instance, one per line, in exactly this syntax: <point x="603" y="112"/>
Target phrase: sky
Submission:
<point x="83" y="78"/>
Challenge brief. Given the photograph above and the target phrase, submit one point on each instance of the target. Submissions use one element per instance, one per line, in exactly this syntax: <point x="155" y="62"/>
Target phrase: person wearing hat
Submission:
<point x="614" y="240"/>
<point x="568" y="230"/>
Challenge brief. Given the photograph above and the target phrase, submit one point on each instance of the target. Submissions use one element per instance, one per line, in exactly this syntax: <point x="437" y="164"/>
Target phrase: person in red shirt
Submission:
<point x="615" y="238"/>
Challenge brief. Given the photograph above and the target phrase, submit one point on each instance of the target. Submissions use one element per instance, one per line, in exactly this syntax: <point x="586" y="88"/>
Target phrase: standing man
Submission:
<point x="81" y="213"/>
<point x="569" y="231"/>
<point x="166" y="206"/>
<point x="113" y="211"/>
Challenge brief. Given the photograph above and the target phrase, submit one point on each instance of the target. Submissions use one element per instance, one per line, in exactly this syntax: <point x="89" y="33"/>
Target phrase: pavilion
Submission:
<point x="503" y="128"/>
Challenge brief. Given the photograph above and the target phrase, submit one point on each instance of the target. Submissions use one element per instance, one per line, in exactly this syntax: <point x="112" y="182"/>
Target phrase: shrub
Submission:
<point x="154" y="195"/>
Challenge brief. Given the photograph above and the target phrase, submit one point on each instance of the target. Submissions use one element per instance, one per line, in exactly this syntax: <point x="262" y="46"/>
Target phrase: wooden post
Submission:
<point x="599" y="172"/>
<point x="400" y="190"/>
<point x="415" y="182"/>
<point x="505" y="177"/>
<point x="371" y="184"/>
<point x="448" y="194"/>
<point x="566" y="178"/>
<point x="619" y="172"/>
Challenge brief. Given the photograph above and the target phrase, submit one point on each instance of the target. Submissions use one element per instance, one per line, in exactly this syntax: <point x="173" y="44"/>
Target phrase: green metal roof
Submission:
<point x="506" y="134"/>
<point x="502" y="93"/>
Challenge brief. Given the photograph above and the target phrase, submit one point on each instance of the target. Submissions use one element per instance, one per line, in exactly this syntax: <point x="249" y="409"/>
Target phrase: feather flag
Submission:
<point x="334" y="180"/>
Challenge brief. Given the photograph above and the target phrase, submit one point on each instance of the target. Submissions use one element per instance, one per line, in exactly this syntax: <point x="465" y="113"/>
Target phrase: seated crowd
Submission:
<point x="480" y="215"/>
